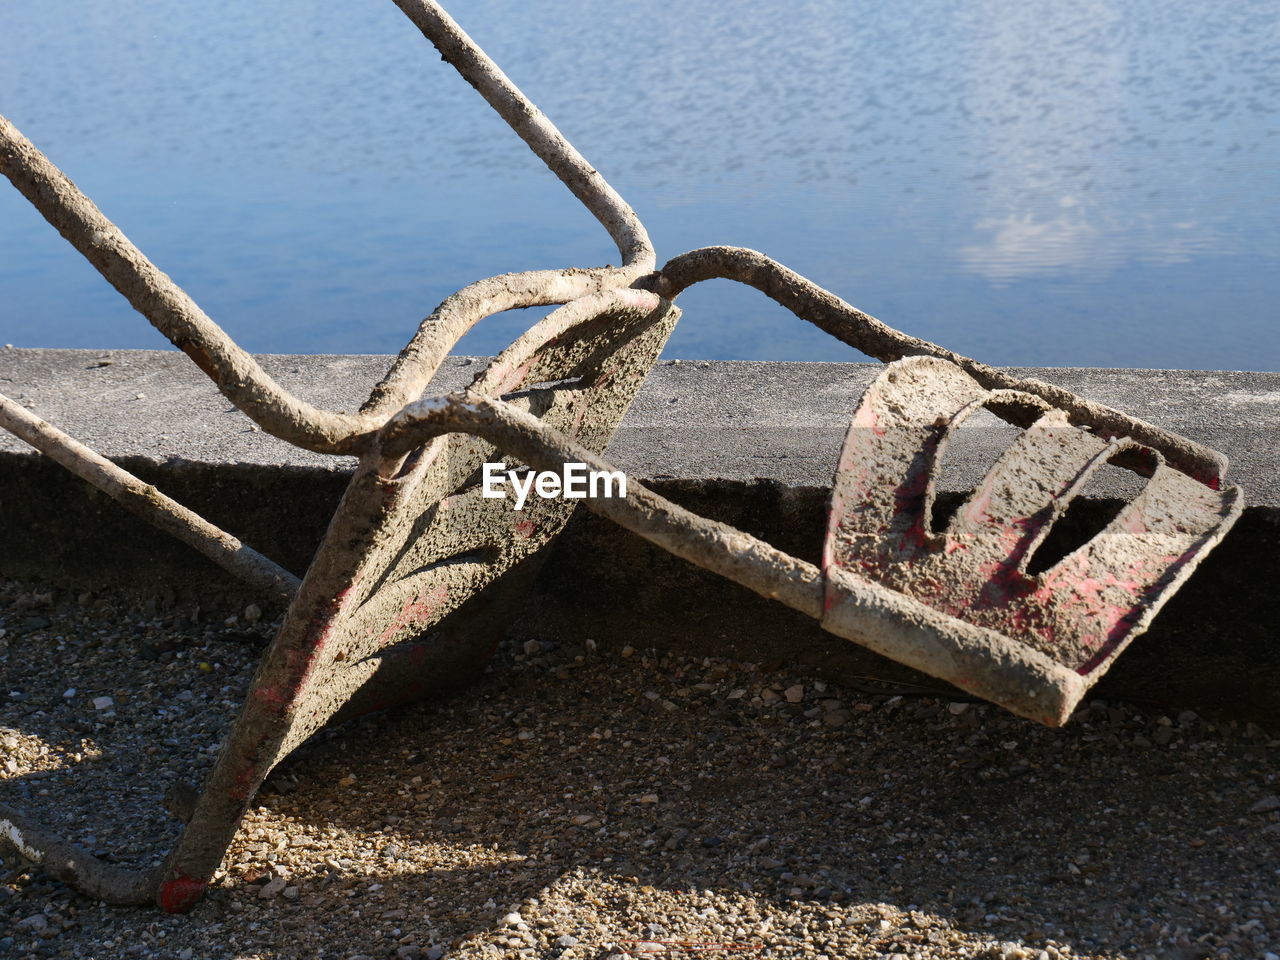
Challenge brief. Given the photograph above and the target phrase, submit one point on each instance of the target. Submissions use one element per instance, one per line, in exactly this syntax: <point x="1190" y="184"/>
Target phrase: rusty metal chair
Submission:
<point x="959" y="603"/>
<point x="414" y="545"/>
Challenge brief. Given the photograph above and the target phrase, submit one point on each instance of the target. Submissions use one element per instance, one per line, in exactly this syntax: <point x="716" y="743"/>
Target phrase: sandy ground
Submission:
<point x="578" y="802"/>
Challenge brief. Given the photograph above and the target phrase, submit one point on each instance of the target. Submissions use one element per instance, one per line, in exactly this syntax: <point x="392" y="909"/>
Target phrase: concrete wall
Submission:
<point x="750" y="443"/>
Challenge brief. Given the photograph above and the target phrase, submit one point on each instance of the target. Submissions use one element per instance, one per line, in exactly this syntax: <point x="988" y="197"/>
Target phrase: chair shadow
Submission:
<point x="1108" y="834"/>
<point x="984" y="822"/>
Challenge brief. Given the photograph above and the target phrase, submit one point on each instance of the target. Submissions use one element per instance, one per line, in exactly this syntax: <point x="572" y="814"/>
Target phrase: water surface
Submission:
<point x="1061" y="184"/>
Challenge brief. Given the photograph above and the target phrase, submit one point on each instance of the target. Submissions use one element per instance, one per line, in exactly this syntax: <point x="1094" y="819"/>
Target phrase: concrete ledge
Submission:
<point x="693" y="420"/>
<point x="750" y="443"/>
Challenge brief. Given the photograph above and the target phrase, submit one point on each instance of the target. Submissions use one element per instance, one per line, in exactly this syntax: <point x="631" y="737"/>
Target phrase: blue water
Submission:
<point x="1095" y="183"/>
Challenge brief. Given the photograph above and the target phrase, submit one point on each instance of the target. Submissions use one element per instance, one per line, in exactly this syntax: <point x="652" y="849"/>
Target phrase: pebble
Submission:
<point x="1266" y="804"/>
<point x="102" y="703"/>
<point x="272" y="888"/>
<point x="794" y="693"/>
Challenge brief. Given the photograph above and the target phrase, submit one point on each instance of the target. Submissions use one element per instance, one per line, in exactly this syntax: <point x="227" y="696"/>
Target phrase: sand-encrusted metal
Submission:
<point x="407" y="582"/>
<point x="1034" y="642"/>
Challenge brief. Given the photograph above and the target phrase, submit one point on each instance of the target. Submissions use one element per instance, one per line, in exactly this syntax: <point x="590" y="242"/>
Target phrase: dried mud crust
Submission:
<point x="582" y="801"/>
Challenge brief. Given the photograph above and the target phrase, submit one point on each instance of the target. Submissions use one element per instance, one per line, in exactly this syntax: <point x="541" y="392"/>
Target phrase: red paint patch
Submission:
<point x="271" y="696"/>
<point x="506" y="378"/>
<point x="417" y="611"/>
<point x="181" y="893"/>
<point x="246" y="780"/>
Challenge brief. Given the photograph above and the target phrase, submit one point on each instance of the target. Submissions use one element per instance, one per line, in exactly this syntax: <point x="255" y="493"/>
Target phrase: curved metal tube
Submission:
<point x="143" y="499"/>
<point x="717" y="546"/>
<point x="74" y="865"/>
<point x="877" y="339"/>
<point x="235" y="372"/>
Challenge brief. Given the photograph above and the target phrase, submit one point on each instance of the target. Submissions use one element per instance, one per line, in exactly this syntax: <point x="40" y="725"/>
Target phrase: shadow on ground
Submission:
<point x="610" y="799"/>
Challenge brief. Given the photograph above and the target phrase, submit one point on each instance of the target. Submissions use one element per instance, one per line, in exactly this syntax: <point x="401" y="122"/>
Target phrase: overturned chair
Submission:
<point x="414" y="545"/>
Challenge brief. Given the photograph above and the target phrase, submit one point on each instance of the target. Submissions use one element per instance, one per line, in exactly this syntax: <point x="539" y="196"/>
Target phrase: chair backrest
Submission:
<point x="411" y="549"/>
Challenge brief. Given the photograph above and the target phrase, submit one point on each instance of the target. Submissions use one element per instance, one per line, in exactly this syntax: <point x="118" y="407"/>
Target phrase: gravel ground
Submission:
<point x="582" y="801"/>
